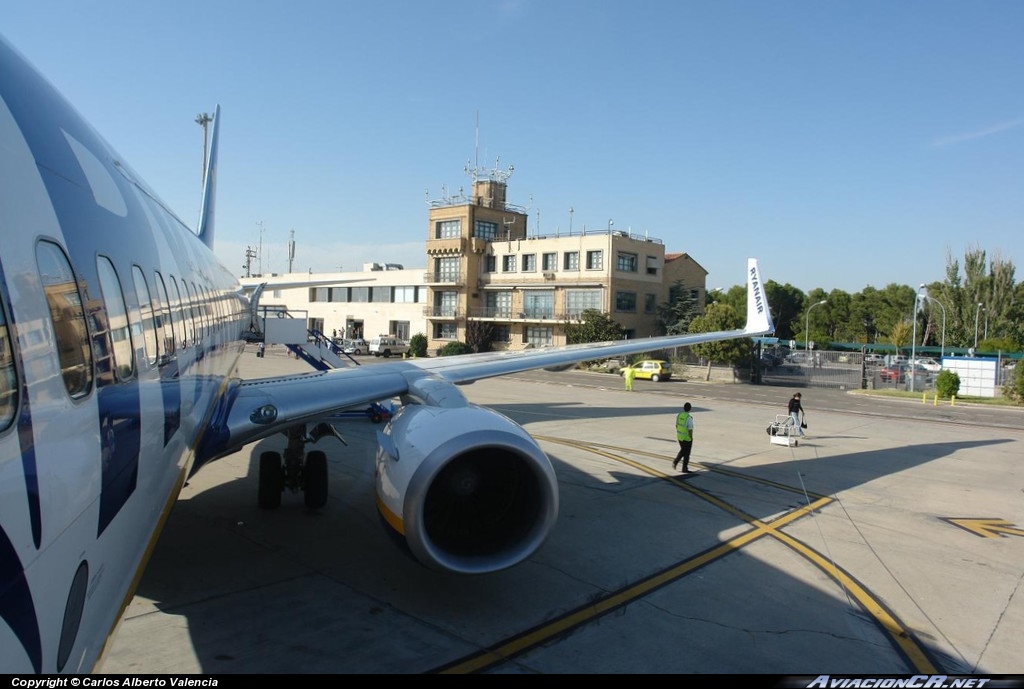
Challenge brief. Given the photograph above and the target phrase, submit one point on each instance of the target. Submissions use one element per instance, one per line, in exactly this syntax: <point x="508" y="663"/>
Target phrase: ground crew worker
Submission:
<point x="629" y="374"/>
<point x="684" y="434"/>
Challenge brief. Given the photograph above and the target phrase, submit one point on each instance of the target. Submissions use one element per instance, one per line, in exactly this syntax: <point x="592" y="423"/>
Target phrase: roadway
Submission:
<point x="891" y="540"/>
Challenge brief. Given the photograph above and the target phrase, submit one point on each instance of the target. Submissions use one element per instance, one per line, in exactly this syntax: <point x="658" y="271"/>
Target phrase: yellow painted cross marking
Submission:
<point x="758" y="528"/>
<point x="986" y="527"/>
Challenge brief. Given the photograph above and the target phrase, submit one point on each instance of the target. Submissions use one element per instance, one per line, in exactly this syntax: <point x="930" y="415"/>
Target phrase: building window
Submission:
<point x="406" y="295"/>
<point x="538" y="337"/>
<point x="571" y="260"/>
<point x="501" y="333"/>
<point x="595" y="260"/>
<point x="446" y="304"/>
<point x="489" y="264"/>
<point x="508" y="263"/>
<point x="579" y="300"/>
<point x="485" y="230"/>
<point x="360" y="294"/>
<point x="539" y="304"/>
<point x="339" y="294"/>
<point x="381" y="295"/>
<point x="549" y="262"/>
<point x="446" y="331"/>
<point x="650" y="303"/>
<point x="625" y="301"/>
<point x="627" y="263"/>
<point x="448" y="229"/>
<point x="400" y="329"/>
<point x="498" y="304"/>
<point x="447" y="269"/>
<point x="652" y="265"/>
<point x="529" y="263"/>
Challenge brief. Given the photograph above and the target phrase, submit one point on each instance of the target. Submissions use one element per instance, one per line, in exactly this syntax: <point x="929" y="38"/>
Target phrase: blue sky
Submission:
<point x="844" y="144"/>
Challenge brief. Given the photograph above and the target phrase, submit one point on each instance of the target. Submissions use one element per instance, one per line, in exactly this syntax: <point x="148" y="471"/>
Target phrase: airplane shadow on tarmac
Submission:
<point x="298" y="591"/>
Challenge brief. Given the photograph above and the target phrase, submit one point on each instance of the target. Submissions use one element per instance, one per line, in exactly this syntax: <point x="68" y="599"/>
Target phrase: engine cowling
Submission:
<point x="466" y="487"/>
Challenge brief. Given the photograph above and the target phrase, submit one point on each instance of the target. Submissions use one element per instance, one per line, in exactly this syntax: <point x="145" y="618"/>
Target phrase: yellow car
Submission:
<point x="651" y="369"/>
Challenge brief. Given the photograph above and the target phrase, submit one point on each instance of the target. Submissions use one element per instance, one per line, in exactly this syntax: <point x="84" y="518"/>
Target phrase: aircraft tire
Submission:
<point x="271" y="481"/>
<point x="315" y="488"/>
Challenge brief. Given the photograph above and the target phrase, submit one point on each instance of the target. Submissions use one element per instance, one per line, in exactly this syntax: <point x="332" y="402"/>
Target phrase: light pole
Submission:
<point x="203" y="120"/>
<point x="977" y="312"/>
<point x="913" y="341"/>
<point x="807" y="325"/>
<point x="942" y="355"/>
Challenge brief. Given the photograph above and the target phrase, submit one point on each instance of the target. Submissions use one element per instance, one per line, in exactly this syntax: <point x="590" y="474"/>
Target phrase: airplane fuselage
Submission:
<point x="118" y="333"/>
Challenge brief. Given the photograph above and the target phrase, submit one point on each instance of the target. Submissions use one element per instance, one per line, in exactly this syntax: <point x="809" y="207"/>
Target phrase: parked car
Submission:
<point x="874" y="360"/>
<point x="387" y="346"/>
<point x="929" y="364"/>
<point x="357" y="346"/>
<point x="651" y="369"/>
<point x="894" y="373"/>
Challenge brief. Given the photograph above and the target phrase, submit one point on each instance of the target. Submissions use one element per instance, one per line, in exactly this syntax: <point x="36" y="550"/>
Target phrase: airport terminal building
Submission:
<point x="485" y="267"/>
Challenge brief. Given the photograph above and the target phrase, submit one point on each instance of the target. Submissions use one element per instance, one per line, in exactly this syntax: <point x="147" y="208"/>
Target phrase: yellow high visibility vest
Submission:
<point x="682" y="431"/>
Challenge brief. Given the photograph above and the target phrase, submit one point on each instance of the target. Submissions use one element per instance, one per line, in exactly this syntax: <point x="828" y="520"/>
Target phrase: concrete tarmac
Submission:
<point x="889" y="540"/>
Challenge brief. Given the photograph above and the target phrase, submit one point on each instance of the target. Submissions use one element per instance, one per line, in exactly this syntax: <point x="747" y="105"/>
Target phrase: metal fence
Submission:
<point x="842" y="371"/>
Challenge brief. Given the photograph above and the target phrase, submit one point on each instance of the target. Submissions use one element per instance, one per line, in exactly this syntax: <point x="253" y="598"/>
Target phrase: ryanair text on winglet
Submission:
<point x="756" y="284"/>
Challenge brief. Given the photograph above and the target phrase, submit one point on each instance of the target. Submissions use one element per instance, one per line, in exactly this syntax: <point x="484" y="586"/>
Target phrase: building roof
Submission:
<point x="683" y="255"/>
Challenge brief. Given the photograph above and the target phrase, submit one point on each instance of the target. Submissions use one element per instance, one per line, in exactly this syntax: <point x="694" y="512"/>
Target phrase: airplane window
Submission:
<point x="190" y="314"/>
<point x="146" y="310"/>
<point x="179" y="311"/>
<point x="8" y="374"/>
<point x="164" y="322"/>
<point x="123" y="356"/>
<point x="67" y="316"/>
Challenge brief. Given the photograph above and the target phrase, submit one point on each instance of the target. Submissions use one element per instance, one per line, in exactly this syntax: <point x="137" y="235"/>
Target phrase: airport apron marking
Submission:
<point x="986" y="527"/>
<point x="898" y="633"/>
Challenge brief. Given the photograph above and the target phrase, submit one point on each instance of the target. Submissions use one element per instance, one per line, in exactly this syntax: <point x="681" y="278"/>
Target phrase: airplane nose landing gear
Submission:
<point x="297" y="470"/>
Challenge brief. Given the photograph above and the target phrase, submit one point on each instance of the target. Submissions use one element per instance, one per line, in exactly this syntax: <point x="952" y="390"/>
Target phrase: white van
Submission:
<point x="388" y="346"/>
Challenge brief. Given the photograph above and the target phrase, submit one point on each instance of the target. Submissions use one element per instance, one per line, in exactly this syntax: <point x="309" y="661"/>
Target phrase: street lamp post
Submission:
<point x="913" y="341"/>
<point x="977" y="312"/>
<point x="942" y="355"/>
<point x="807" y="326"/>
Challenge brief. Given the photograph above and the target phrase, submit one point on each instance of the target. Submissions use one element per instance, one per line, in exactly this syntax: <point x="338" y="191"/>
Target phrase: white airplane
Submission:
<point x="120" y="334"/>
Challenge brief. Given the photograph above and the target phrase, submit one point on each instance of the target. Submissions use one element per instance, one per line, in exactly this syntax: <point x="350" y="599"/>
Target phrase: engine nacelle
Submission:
<point x="466" y="487"/>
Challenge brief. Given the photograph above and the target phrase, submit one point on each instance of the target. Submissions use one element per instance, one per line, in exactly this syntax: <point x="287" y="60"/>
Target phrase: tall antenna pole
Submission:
<point x="291" y="251"/>
<point x="203" y="119"/>
<point x="260" y="223"/>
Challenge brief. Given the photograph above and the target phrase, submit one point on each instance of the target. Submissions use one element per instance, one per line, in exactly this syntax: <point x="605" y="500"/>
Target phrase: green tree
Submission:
<point x="735" y="351"/>
<point x="900" y="334"/>
<point x="454" y="349"/>
<point x="675" y="315"/>
<point x="594" y="326"/>
<point x="479" y="335"/>
<point x="1013" y="388"/>
<point x="786" y="304"/>
<point x="418" y="345"/>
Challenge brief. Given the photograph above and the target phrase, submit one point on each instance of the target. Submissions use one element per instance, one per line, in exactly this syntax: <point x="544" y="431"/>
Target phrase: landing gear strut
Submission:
<point x="297" y="470"/>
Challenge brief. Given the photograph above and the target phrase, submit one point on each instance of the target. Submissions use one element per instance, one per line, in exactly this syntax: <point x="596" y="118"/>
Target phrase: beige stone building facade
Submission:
<point x="484" y="266"/>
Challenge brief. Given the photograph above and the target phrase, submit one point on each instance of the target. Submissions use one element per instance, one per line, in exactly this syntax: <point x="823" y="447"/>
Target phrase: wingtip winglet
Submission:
<point x="759" y="318"/>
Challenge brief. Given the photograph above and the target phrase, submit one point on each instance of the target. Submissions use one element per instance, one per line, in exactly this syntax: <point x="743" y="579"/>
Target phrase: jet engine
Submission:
<point x="467" y="488"/>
